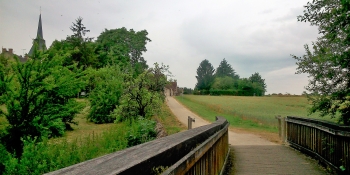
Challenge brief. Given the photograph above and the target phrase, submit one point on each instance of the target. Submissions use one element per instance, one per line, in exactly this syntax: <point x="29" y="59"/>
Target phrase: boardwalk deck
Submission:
<point x="254" y="155"/>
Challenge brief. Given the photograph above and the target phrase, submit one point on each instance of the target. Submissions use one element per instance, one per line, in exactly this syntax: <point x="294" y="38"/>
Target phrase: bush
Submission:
<point x="105" y="96"/>
<point x="141" y="131"/>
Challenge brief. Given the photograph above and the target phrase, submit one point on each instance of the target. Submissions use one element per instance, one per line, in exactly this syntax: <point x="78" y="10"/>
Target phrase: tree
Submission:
<point x="259" y="84"/>
<point x="328" y="64"/>
<point x="205" y="75"/>
<point x="82" y="48"/>
<point x="225" y="69"/>
<point x="39" y="100"/>
<point x="104" y="98"/>
<point x="120" y="46"/>
<point x="223" y="83"/>
<point x="143" y="95"/>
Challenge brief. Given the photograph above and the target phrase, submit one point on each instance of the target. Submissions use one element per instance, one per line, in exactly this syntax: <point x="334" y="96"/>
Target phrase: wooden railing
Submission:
<point x="328" y="142"/>
<point x="202" y="150"/>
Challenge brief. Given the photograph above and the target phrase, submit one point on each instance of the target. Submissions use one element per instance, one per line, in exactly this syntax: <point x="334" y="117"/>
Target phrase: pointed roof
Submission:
<point x="39" y="41"/>
<point x="40" y="29"/>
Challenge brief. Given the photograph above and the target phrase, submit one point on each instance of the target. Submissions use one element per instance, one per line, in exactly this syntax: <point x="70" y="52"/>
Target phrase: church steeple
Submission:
<point x="40" y="29"/>
<point x="39" y="41"/>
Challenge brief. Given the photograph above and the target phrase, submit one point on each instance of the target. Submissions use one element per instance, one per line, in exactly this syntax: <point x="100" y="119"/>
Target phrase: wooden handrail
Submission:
<point x="328" y="142"/>
<point x="144" y="158"/>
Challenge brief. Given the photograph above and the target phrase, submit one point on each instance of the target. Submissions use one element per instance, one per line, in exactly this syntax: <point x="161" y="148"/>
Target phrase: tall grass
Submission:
<point x="86" y="141"/>
<point x="249" y="112"/>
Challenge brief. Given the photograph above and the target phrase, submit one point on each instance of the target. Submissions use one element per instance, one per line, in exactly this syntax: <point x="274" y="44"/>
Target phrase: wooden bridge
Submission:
<point x="204" y="150"/>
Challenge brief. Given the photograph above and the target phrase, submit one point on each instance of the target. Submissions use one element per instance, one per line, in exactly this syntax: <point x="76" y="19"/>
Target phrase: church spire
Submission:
<point x="40" y="29"/>
<point x="39" y="41"/>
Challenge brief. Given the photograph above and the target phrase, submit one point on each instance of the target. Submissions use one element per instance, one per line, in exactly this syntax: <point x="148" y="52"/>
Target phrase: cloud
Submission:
<point x="253" y="36"/>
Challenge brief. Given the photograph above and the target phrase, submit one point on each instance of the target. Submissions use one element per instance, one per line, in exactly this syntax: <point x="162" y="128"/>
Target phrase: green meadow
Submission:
<point x="249" y="112"/>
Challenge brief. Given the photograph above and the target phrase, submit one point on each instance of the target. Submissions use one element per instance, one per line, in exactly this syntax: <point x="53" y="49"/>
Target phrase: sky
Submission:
<point x="252" y="35"/>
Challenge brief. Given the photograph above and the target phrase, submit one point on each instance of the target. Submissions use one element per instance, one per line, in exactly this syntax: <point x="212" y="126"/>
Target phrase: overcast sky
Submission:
<point x="253" y="35"/>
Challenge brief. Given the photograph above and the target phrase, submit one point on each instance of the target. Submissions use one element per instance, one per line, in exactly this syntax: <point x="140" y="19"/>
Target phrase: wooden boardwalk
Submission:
<point x="254" y="155"/>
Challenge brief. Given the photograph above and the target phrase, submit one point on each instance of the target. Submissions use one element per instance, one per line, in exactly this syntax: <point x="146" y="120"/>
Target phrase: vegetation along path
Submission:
<point x="253" y="154"/>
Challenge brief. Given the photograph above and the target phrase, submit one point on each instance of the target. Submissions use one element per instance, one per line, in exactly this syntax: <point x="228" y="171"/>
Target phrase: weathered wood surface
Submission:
<point x="328" y="142"/>
<point x="141" y="159"/>
<point x="207" y="158"/>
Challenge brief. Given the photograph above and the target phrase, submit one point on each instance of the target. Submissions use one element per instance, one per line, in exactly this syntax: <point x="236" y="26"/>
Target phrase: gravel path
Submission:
<point x="253" y="154"/>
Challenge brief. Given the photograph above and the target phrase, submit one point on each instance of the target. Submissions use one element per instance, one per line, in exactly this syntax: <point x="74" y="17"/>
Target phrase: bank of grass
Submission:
<point x="256" y="113"/>
<point x="86" y="141"/>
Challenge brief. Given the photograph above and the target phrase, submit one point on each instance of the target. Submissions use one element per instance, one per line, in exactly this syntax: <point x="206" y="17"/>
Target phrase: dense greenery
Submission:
<point x="328" y="63"/>
<point x="40" y="97"/>
<point x="108" y="87"/>
<point x="225" y="81"/>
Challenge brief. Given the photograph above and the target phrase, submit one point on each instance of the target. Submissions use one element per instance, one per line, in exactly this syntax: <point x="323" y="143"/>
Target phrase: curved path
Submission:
<point x="252" y="154"/>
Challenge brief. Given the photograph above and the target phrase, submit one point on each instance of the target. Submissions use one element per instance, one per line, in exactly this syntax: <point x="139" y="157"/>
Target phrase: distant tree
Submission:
<point x="260" y="85"/>
<point x="39" y="100"/>
<point x="205" y="75"/>
<point x="223" y="83"/>
<point x="225" y="69"/>
<point x="187" y="90"/>
<point x="121" y="46"/>
<point x="328" y="63"/>
<point x="82" y="48"/>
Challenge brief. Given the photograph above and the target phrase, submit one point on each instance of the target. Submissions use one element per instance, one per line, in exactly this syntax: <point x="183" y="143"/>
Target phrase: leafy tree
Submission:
<point x="225" y="69"/>
<point x="38" y="99"/>
<point x="121" y="46"/>
<point x="142" y="95"/>
<point x="223" y="83"/>
<point x="259" y="84"/>
<point x="205" y="75"/>
<point x="104" y="98"/>
<point x="328" y="64"/>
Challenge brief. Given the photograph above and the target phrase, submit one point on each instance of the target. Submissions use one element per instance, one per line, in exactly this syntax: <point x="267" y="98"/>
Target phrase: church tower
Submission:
<point x="39" y="40"/>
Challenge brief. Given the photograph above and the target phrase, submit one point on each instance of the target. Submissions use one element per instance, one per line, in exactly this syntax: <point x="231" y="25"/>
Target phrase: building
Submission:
<point x="39" y="40"/>
<point x="8" y="54"/>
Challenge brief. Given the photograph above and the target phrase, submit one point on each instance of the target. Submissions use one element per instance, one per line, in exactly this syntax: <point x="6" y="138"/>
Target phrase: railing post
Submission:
<point x="283" y="129"/>
<point x="190" y="120"/>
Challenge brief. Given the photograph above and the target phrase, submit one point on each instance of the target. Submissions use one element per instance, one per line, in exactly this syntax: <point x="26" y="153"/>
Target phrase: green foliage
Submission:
<point x="143" y="95"/>
<point x="187" y="90"/>
<point x="105" y="96"/>
<point x="328" y="64"/>
<point x="225" y="69"/>
<point x="43" y="157"/>
<point x="205" y="75"/>
<point x="258" y="83"/>
<point x="122" y="46"/>
<point x="224" y="83"/>
<point x="38" y="99"/>
<point x="142" y="130"/>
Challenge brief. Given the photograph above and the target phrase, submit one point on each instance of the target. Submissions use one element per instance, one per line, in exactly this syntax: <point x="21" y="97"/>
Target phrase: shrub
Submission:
<point x="105" y="96"/>
<point x="141" y="131"/>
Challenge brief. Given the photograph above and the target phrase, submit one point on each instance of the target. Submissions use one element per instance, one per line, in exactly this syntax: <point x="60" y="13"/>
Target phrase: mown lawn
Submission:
<point x="249" y="112"/>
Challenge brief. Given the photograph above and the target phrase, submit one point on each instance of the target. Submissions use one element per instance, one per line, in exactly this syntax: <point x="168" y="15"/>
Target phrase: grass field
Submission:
<point x="249" y="112"/>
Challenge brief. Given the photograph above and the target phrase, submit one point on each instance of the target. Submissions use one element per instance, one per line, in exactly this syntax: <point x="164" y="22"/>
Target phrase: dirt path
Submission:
<point x="253" y="154"/>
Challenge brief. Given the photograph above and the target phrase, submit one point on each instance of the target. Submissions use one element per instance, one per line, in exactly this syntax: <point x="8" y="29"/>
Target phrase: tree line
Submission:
<point x="225" y="81"/>
<point x="39" y="95"/>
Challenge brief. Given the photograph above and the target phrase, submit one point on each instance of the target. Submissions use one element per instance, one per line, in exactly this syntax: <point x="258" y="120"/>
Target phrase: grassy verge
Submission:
<point x="169" y="121"/>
